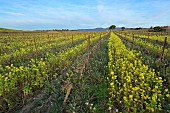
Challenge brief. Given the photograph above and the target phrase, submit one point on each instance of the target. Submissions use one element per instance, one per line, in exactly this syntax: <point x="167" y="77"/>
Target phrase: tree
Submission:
<point x="123" y="28"/>
<point x="139" y="28"/>
<point x="112" y="27"/>
<point x="158" y="29"/>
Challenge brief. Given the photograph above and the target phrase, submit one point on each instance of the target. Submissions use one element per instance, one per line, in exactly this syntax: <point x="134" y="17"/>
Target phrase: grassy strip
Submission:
<point x="88" y="93"/>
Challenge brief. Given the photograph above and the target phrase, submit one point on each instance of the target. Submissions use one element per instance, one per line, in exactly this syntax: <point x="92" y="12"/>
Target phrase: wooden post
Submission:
<point x="133" y="40"/>
<point x="35" y="44"/>
<point x="72" y="39"/>
<point x="89" y="48"/>
<point x="148" y="35"/>
<point x="100" y="41"/>
<point x="163" y="48"/>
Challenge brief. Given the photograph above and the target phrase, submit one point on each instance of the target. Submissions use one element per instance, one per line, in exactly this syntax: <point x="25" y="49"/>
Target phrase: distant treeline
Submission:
<point x="153" y="29"/>
<point x="60" y="30"/>
<point x="157" y="29"/>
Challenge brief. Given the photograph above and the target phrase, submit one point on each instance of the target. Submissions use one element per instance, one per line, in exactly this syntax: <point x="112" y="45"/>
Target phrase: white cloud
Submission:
<point x="87" y="14"/>
<point x="13" y="13"/>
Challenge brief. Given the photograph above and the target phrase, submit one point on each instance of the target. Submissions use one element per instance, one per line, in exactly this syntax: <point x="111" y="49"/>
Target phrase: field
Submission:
<point x="80" y="72"/>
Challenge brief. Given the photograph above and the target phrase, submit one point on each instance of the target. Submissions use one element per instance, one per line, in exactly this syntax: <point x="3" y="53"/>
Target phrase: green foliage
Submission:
<point x="112" y="27"/>
<point x="158" y="29"/>
<point x="3" y="30"/>
<point x="142" y="43"/>
<point x="20" y="80"/>
<point x="123" y="28"/>
<point x="133" y="86"/>
<point x="31" y="61"/>
<point x="152" y="46"/>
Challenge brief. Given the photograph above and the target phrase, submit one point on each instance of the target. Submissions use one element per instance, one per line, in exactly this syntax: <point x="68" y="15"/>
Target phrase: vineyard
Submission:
<point x="75" y="72"/>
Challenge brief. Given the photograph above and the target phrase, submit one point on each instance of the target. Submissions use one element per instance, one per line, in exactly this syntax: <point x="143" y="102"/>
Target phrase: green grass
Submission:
<point x="89" y="95"/>
<point x="4" y="30"/>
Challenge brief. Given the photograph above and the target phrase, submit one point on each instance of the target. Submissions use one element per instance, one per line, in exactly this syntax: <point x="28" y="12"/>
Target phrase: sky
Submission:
<point x="81" y="14"/>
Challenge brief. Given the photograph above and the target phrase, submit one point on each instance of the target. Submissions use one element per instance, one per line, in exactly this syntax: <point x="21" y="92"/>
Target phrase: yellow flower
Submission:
<point x="160" y="78"/>
<point x="111" y="84"/>
<point x="125" y="99"/>
<point x="6" y="79"/>
<point x="152" y="109"/>
<point x="112" y="73"/>
<point x="159" y="91"/>
<point x="142" y="75"/>
<point x="167" y="95"/>
<point x="130" y="96"/>
<point x="166" y="90"/>
<point x="135" y="99"/>
<point x="156" y="87"/>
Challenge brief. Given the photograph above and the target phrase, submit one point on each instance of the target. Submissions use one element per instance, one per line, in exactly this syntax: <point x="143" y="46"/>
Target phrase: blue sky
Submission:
<point x="78" y="14"/>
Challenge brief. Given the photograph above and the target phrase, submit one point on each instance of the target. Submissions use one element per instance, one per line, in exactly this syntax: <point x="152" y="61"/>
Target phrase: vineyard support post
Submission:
<point x="163" y="48"/>
<point x="72" y="39"/>
<point x="100" y="41"/>
<point x="85" y="36"/>
<point x="35" y="45"/>
<point x="133" y="40"/>
<point x="148" y="35"/>
<point x="89" y="48"/>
